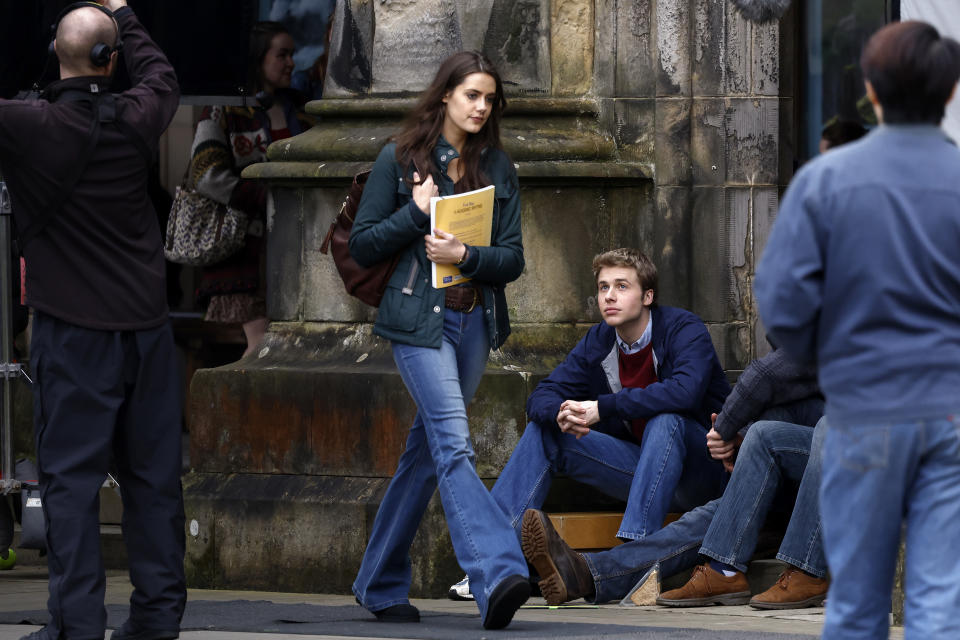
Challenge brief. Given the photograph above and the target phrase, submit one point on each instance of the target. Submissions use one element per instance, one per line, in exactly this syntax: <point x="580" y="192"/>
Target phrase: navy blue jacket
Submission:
<point x="389" y="222"/>
<point x="691" y="381"/>
<point x="862" y="269"/>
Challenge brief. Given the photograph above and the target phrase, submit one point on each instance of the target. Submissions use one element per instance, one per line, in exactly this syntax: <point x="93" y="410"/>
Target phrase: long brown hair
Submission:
<point x="424" y="124"/>
<point x="261" y="38"/>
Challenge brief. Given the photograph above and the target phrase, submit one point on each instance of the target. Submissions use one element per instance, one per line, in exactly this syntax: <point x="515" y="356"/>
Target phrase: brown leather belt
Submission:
<point x="461" y="298"/>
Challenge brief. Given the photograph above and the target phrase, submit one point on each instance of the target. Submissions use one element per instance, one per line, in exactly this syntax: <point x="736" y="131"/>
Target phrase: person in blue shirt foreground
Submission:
<point x="862" y="269"/>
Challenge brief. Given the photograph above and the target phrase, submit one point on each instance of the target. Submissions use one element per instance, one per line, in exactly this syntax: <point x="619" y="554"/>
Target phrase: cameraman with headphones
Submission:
<point x="107" y="384"/>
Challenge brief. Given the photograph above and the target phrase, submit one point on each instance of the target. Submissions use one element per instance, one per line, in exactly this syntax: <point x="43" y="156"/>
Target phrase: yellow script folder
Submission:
<point x="469" y="216"/>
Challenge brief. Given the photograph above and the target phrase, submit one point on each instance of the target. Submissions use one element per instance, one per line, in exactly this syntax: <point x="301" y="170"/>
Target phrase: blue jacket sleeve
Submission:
<point x="502" y="261"/>
<point x="683" y="391"/>
<point x="570" y="380"/>
<point x="789" y="282"/>
<point x="378" y="233"/>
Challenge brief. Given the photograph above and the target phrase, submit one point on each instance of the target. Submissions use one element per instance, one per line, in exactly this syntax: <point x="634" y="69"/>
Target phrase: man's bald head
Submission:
<point x="77" y="34"/>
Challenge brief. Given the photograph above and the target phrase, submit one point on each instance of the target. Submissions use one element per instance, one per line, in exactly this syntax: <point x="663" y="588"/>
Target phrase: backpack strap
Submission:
<point x="104" y="107"/>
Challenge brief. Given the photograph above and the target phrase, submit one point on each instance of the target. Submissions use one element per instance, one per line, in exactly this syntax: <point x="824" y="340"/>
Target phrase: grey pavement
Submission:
<point x="258" y="615"/>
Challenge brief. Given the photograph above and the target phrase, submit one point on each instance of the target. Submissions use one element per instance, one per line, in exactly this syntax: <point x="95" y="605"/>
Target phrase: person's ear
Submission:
<point x="648" y="297"/>
<point x="953" y="93"/>
<point x="446" y="97"/>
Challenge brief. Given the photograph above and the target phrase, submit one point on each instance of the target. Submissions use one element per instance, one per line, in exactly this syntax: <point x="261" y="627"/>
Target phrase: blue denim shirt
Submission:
<point x="863" y="269"/>
<point x="389" y="222"/>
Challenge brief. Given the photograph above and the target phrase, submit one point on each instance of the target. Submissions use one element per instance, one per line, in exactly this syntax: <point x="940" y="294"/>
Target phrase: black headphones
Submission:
<point x="101" y="52"/>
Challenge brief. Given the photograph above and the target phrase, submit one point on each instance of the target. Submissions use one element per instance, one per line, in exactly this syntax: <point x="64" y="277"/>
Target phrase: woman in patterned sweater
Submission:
<point x="227" y="140"/>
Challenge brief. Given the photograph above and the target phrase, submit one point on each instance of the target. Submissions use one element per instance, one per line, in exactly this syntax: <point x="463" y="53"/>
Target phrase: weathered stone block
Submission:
<point x="766" y="201"/>
<point x="284" y="254"/>
<point x="752" y="130"/>
<point x="636" y="129"/>
<point x="721" y="277"/>
<point x="559" y="245"/>
<point x="518" y="42"/>
<point x="708" y="141"/>
<point x="672" y="141"/>
<point x="330" y="402"/>
<point x="411" y="38"/>
<point x="672" y="247"/>
<point x="635" y="50"/>
<point x="349" y="71"/>
<point x="473" y="17"/>
<point x="765" y="61"/>
<point x="673" y="47"/>
<point x="732" y="343"/>
<point x="605" y="48"/>
<point x="737" y="52"/>
<point x="299" y="533"/>
<point x="709" y="42"/>
<point x="571" y="46"/>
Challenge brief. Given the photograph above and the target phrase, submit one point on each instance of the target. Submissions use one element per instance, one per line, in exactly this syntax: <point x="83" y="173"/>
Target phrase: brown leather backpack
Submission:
<point x="365" y="283"/>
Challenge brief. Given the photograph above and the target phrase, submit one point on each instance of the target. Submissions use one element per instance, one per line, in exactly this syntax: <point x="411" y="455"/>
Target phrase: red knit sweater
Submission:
<point x="636" y="372"/>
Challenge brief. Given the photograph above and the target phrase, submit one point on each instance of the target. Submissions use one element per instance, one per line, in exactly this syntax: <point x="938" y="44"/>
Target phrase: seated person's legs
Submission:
<point x="674" y="464"/>
<point x="609" y="575"/>
<point x="596" y="459"/>
<point x="804" y="582"/>
<point x="772" y="452"/>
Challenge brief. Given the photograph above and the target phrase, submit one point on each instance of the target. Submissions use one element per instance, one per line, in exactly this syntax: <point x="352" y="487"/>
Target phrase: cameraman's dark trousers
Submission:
<point x="102" y="396"/>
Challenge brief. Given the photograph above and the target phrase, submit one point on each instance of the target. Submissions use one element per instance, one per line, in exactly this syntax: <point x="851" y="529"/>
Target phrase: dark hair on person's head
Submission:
<point x="261" y="38"/>
<point x="629" y="259"/>
<point x="424" y="124"/>
<point x="838" y="132"/>
<point x="913" y="70"/>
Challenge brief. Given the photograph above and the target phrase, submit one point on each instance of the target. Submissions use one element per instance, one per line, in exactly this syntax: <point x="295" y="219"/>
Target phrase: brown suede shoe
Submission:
<point x="706" y="587"/>
<point x="794" y="590"/>
<point x="564" y="574"/>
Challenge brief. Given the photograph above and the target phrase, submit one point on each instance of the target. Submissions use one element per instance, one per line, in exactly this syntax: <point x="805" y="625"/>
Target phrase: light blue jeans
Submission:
<point x="876" y="477"/>
<point x="733" y="520"/>
<point x="439" y="455"/>
<point x="671" y="467"/>
<point x="773" y="454"/>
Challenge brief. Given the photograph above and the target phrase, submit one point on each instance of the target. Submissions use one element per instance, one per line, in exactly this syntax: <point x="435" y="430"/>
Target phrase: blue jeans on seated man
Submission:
<point x="439" y="454"/>
<point x="773" y="454"/>
<point x="678" y="545"/>
<point x="671" y="468"/>
<point x="878" y="475"/>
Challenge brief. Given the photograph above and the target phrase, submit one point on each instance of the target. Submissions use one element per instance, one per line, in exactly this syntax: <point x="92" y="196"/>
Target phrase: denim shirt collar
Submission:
<point x="443" y="153"/>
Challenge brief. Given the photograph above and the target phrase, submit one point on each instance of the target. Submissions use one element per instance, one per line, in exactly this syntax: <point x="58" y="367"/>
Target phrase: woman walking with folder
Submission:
<point x="450" y="143"/>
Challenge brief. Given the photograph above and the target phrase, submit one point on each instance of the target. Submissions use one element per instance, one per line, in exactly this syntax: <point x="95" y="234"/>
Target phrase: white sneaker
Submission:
<point x="460" y="591"/>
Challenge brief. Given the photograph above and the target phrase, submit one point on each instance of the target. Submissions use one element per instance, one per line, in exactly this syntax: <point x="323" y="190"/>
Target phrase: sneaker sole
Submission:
<point x="452" y="594"/>
<point x="535" y="549"/>
<point x="815" y="601"/>
<point x="726" y="599"/>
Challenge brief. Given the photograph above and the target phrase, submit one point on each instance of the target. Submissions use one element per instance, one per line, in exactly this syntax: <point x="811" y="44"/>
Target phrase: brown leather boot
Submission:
<point x="794" y="590"/>
<point x="564" y="574"/>
<point x="706" y="587"/>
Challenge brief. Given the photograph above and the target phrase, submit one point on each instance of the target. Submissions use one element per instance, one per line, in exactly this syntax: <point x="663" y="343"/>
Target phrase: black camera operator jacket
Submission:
<point x="99" y="261"/>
